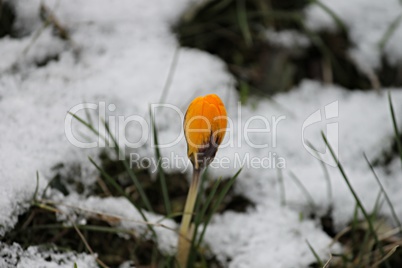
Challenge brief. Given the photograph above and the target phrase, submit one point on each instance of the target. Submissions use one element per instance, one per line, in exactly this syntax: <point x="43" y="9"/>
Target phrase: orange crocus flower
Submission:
<point x="204" y="127"/>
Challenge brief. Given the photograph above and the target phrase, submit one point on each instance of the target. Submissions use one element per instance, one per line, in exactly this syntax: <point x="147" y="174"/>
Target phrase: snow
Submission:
<point x="269" y="236"/>
<point x="13" y="256"/>
<point x="123" y="59"/>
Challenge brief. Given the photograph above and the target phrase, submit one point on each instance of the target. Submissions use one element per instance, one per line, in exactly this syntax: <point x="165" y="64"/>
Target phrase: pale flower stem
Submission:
<point x="185" y="234"/>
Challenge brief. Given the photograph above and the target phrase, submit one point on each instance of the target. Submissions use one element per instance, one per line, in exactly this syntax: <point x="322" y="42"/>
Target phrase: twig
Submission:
<point x="101" y="263"/>
<point x="328" y="261"/>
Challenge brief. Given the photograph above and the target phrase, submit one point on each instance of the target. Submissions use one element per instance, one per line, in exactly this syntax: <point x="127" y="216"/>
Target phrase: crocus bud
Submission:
<point x="204" y="127"/>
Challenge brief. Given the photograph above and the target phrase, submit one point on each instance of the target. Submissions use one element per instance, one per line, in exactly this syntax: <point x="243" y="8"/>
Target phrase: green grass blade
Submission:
<point x="219" y="200"/>
<point x="115" y="185"/>
<point x="199" y="216"/>
<point x="197" y="219"/>
<point x="391" y="206"/>
<point x="166" y="262"/>
<point x="396" y="130"/>
<point x="170" y="216"/>
<point x="318" y="259"/>
<point x="377" y="206"/>
<point x="306" y="193"/>
<point x="326" y="173"/>
<point x="200" y="194"/>
<point x="138" y="185"/>
<point x="95" y="228"/>
<point x="339" y="22"/>
<point x="390" y="31"/>
<point x="48" y="185"/>
<point x="356" y="197"/>
<point x="88" y="115"/>
<point x="244" y="91"/>
<point x="161" y="173"/>
<point x="89" y="126"/>
<point x="35" y="194"/>
<point x="243" y="22"/>
<point x="362" y="249"/>
<point x="210" y="198"/>
<point x="326" y="52"/>
<point x="355" y="222"/>
<point x="169" y="78"/>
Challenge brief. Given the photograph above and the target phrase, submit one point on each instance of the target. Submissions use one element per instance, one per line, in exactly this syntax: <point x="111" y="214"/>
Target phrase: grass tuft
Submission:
<point x="367" y="217"/>
<point x="161" y="173"/>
